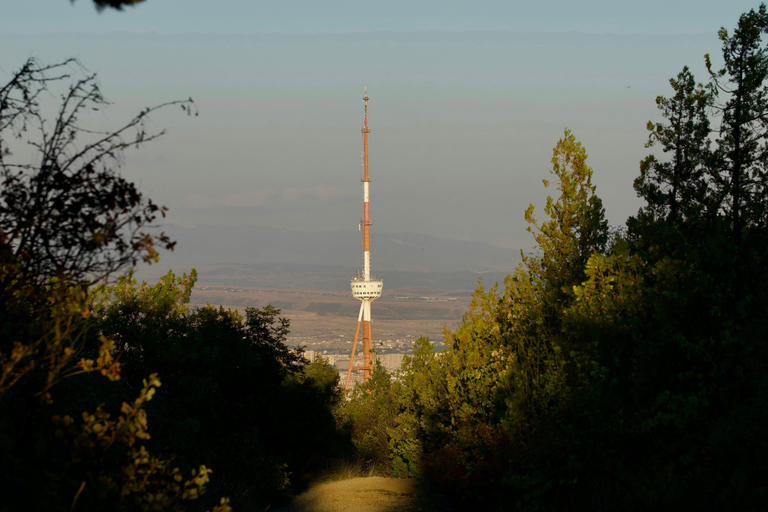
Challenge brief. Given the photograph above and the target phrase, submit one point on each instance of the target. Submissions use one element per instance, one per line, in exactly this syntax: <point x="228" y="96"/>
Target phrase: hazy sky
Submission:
<point x="467" y="101"/>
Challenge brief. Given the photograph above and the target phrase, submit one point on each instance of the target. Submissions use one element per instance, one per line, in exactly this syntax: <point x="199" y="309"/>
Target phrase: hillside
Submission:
<point x="401" y="252"/>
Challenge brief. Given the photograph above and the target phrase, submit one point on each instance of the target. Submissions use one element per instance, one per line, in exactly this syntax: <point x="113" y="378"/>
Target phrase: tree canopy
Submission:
<point x="623" y="368"/>
<point x="68" y="213"/>
<point x="113" y="4"/>
<point x="617" y="368"/>
<point x="114" y="394"/>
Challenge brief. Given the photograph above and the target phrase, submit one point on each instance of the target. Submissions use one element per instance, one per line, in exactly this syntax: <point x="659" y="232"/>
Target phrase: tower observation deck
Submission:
<point x="365" y="288"/>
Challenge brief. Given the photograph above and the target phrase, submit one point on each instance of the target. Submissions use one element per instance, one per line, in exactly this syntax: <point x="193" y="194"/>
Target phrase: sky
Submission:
<point x="467" y="101"/>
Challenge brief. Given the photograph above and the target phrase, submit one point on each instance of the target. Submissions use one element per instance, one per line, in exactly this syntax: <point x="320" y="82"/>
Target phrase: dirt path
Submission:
<point x="374" y="494"/>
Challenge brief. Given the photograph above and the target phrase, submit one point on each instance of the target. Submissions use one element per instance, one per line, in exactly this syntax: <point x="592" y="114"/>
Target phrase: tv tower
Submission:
<point x="366" y="289"/>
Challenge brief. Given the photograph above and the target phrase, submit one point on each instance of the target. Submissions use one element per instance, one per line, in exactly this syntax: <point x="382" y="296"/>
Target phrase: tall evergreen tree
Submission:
<point x="742" y="102"/>
<point x="676" y="189"/>
<point x="576" y="227"/>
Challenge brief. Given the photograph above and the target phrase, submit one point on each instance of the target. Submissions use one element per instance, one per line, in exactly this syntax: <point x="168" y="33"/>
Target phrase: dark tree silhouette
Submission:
<point x="65" y="211"/>
<point x="113" y="4"/>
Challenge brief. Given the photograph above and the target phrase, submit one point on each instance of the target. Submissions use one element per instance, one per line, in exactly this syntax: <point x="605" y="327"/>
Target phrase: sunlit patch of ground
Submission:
<point x="373" y="494"/>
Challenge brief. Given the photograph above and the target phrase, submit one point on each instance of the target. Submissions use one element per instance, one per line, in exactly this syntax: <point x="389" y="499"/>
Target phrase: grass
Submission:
<point x="342" y="469"/>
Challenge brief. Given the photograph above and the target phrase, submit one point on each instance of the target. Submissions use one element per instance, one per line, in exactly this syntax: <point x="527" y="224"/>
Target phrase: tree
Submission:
<point x="113" y="4"/>
<point x="369" y="415"/>
<point x="422" y="423"/>
<point x="576" y="227"/>
<point x="542" y="288"/>
<point x="512" y="368"/>
<point x="235" y="396"/>
<point x="67" y="220"/>
<point x="69" y="214"/>
<point x="742" y="102"/>
<point x="677" y="189"/>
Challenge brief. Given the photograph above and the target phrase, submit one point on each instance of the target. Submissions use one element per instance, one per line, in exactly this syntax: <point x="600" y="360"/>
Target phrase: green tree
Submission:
<point x="677" y="189"/>
<point x="423" y="418"/>
<point x="576" y="227"/>
<point x="543" y="286"/>
<point x="512" y="367"/>
<point x="68" y="220"/>
<point x="623" y="370"/>
<point x="369" y="416"/>
<point x="742" y="102"/>
<point x="676" y="316"/>
<point x="234" y="394"/>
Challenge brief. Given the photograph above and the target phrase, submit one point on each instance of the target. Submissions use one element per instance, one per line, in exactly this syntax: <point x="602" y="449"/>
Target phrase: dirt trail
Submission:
<point x="374" y="494"/>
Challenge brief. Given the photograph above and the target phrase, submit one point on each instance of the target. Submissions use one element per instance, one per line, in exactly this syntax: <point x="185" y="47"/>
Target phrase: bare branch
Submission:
<point x="71" y="214"/>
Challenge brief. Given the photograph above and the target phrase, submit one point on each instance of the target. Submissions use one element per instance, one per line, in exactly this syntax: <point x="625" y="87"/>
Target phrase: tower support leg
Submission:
<point x="354" y="346"/>
<point x="367" y="343"/>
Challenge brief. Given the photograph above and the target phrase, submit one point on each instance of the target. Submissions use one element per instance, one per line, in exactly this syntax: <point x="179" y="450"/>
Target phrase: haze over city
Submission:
<point x="467" y="101"/>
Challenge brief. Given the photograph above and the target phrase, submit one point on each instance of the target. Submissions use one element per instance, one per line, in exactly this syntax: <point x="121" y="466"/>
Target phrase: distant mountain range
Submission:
<point x="206" y="244"/>
<point x="335" y="278"/>
<point x="278" y="258"/>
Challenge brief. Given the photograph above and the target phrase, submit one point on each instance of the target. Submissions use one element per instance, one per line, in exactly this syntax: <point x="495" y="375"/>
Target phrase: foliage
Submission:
<point x="742" y="99"/>
<point x="69" y="214"/>
<point x="67" y="220"/>
<point x="234" y="395"/>
<point x="513" y="365"/>
<point x="676" y="188"/>
<point x="113" y="4"/>
<point x="368" y="416"/>
<point x="57" y="459"/>
<point x="510" y="369"/>
<point x="144" y="481"/>
<point x="576" y="227"/>
<point x="617" y="369"/>
<point x="421" y="393"/>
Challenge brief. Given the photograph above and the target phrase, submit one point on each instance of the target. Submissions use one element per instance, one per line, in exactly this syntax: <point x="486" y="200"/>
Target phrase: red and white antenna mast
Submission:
<point x="366" y="289"/>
